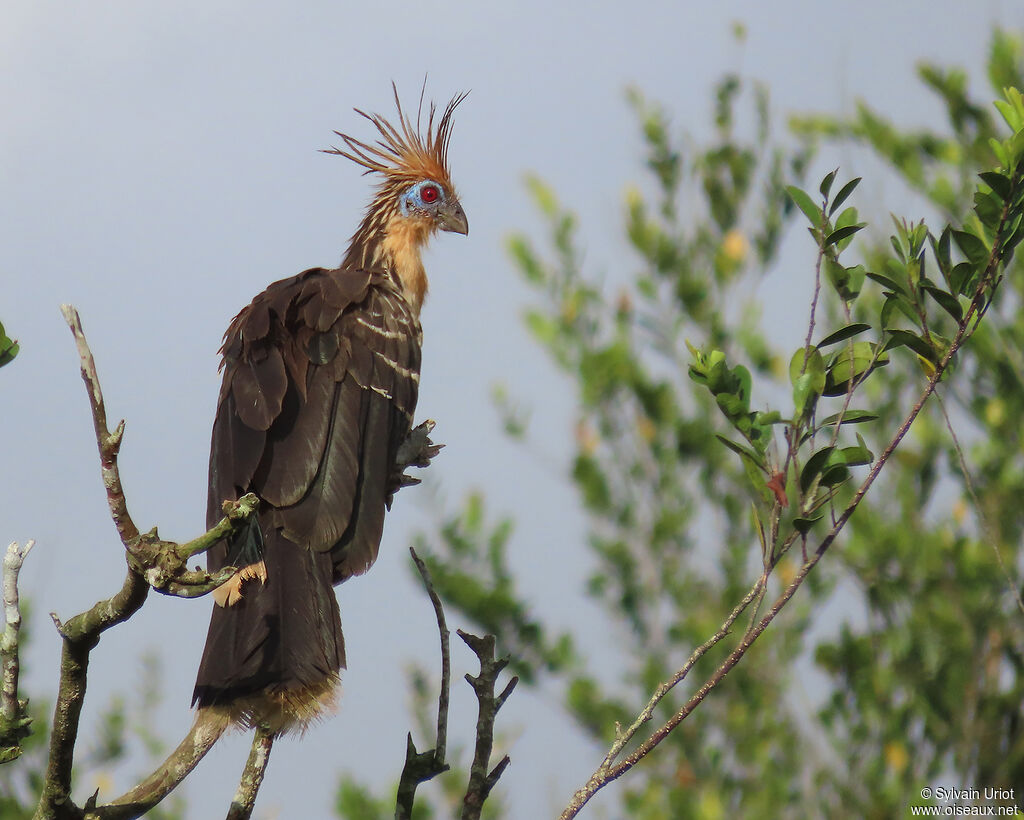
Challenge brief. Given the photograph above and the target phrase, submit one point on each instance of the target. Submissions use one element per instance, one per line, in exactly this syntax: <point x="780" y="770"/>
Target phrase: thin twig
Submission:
<point x="446" y="661"/>
<point x="14" y="721"/>
<point x="423" y="766"/>
<point x="109" y="443"/>
<point x="987" y="529"/>
<point x="252" y="776"/>
<point x="796" y="426"/>
<point x="817" y="286"/>
<point x="623" y="736"/>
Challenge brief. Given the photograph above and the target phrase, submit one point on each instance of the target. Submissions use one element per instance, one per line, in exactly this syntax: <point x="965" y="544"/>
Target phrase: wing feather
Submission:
<point x="321" y="376"/>
<point x="294" y="450"/>
<point x="235" y="453"/>
<point x="318" y="520"/>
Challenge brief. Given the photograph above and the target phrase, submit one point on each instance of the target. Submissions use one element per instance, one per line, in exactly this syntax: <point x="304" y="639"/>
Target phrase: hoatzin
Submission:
<point x="320" y="381"/>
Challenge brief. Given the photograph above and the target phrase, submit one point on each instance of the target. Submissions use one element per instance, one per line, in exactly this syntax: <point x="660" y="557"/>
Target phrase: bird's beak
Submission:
<point x="452" y="218"/>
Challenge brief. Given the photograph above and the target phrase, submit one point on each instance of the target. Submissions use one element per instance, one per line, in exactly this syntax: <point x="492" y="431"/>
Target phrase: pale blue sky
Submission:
<point x="159" y="166"/>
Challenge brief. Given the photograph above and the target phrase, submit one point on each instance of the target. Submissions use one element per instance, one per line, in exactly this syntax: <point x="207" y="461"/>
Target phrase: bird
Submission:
<point x="319" y="385"/>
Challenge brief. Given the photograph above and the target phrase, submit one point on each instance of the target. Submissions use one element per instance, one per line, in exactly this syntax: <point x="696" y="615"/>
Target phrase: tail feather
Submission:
<point x="274" y="655"/>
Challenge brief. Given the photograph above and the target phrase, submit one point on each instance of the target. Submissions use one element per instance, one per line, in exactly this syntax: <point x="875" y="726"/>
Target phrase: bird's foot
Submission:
<point x="416" y="451"/>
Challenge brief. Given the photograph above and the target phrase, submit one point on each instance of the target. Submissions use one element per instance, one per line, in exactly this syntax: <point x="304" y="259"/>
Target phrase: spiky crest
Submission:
<point x="403" y="156"/>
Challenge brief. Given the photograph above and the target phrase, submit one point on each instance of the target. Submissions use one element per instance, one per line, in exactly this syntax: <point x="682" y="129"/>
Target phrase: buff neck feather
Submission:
<point x="399" y="252"/>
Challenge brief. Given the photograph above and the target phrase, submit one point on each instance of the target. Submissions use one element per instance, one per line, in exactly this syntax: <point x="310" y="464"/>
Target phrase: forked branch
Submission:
<point x="423" y="766"/>
<point x="481" y="777"/>
<point x="151" y="562"/>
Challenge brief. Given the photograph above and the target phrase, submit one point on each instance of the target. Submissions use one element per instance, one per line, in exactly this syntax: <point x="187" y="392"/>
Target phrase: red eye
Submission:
<point x="429" y="193"/>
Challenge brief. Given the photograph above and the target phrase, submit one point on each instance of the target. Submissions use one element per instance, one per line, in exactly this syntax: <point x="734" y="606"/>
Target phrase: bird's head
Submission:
<point x="434" y="203"/>
<point x="415" y="197"/>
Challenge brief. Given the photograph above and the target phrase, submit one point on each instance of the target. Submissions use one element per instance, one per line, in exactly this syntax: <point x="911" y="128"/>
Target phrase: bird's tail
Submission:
<point x="273" y="655"/>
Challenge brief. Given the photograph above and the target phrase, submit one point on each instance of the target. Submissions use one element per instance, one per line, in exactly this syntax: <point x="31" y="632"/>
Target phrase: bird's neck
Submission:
<point x="394" y="244"/>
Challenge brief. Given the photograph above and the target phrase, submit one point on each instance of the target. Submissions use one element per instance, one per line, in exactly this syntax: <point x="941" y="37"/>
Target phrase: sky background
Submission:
<point x="159" y="166"/>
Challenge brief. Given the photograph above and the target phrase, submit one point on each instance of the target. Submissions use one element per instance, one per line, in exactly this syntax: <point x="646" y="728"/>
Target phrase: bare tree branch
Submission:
<point x="252" y="775"/>
<point x="14" y="721"/>
<point x="143" y="797"/>
<point x="151" y="562"/>
<point x="481" y="781"/>
<point x="423" y="766"/>
<point x="623" y="736"/>
<point x="109" y="443"/>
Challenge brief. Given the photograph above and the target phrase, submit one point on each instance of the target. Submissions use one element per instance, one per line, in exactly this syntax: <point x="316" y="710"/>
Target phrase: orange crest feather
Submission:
<point x="405" y="154"/>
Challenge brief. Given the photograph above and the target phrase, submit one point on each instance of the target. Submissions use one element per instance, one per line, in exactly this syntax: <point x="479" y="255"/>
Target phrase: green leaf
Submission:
<point x="805" y="204"/>
<point x="895" y="302"/>
<point x="843" y="194"/>
<point x="947" y="301"/>
<point x="812" y="469"/>
<point x="897" y="248"/>
<point x="523" y="255"/>
<point x="1010" y="113"/>
<point x="826" y="183"/>
<point x="855" y="456"/>
<point x="732" y="389"/>
<point x="1000" y="151"/>
<point x="746" y="452"/>
<point x="543" y="195"/>
<point x="542" y="326"/>
<point x="848" y="363"/>
<point x="591" y="480"/>
<point x="973" y="248"/>
<point x="847" y="282"/>
<point x="9" y="348"/>
<point x="840" y="234"/>
<point x="999" y="184"/>
<point x="886" y="282"/>
<point x="900" y="338"/>
<point x="844" y="333"/>
<point x="803" y="525"/>
<point x="940" y="248"/>
<point x="989" y="209"/>
<point x="850" y="417"/>
<point x="834" y="474"/>
<point x="807" y="375"/>
<point x="854" y="283"/>
<point x="961" y="278"/>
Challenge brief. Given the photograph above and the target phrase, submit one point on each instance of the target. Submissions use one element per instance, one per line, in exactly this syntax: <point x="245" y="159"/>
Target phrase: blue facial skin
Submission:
<point x="412" y="200"/>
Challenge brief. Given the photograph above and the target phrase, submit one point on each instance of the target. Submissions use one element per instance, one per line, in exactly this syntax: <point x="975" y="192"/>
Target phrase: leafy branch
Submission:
<point x="987" y="244"/>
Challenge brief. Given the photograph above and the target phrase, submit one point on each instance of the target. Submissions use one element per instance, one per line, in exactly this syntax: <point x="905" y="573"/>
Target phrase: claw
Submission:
<point x="416" y="451"/>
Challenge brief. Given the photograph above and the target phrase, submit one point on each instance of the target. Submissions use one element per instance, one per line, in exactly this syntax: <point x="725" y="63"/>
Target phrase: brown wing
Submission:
<point x="321" y="375"/>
